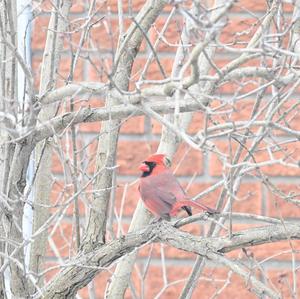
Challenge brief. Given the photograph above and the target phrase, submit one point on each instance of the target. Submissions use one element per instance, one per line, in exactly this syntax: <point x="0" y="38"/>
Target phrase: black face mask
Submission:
<point x="151" y="167"/>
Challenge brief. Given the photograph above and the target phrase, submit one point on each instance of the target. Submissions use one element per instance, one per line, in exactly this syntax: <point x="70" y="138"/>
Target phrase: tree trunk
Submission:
<point x="43" y="151"/>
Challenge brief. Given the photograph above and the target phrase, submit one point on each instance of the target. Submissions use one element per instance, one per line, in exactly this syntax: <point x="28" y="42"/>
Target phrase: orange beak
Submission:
<point x="144" y="167"/>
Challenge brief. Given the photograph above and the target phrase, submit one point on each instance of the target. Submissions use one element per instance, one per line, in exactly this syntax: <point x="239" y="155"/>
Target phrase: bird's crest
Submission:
<point x="159" y="159"/>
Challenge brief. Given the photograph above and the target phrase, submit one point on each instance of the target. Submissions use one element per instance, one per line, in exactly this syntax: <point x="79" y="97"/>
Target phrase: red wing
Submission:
<point x="160" y="192"/>
<point x="157" y="206"/>
<point x="169" y="183"/>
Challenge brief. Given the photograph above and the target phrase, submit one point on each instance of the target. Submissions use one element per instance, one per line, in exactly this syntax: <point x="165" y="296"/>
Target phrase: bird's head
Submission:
<point x="154" y="161"/>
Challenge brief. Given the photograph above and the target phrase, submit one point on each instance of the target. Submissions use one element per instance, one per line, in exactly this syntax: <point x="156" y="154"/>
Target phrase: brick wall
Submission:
<point x="196" y="170"/>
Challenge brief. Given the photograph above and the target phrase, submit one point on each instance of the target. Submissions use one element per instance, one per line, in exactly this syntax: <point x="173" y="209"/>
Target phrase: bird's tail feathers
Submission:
<point x="183" y="203"/>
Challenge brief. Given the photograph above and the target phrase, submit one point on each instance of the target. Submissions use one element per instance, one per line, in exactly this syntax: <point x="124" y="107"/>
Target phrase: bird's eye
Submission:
<point x="167" y="162"/>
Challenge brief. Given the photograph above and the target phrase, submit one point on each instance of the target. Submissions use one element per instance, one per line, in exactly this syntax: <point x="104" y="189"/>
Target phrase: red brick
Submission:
<point x="40" y="30"/>
<point x="36" y="70"/>
<point x="112" y="5"/>
<point x="87" y="152"/>
<point x="242" y="111"/>
<point x="74" y="33"/>
<point x="290" y="115"/>
<point x="239" y="31"/>
<point x="171" y="35"/>
<point x="290" y="153"/>
<point x="248" y="198"/>
<point x="61" y="194"/>
<point x="288" y="7"/>
<point x="154" y="283"/>
<point x="156" y="126"/>
<point x="238" y="288"/>
<point x="105" y="35"/>
<point x="209" y="199"/>
<point x="91" y="155"/>
<point x="98" y="69"/>
<point x="63" y="71"/>
<point x="93" y="127"/>
<point x="196" y="124"/>
<point x="279" y="251"/>
<point x="78" y="6"/>
<point x="153" y="71"/>
<point x="277" y="206"/>
<point x="261" y="155"/>
<point x="259" y="6"/>
<point x="133" y="125"/>
<point x="283" y="281"/>
<point x="187" y="161"/>
<point x="242" y="86"/>
<point x="50" y="273"/>
<point x="209" y="283"/>
<point x="62" y="238"/>
<point x="132" y="196"/>
<point x="56" y="164"/>
<point x="39" y="33"/>
<point x="131" y="154"/>
<point x="65" y="68"/>
<point x="253" y="6"/>
<point x="233" y="112"/>
<point x="215" y="166"/>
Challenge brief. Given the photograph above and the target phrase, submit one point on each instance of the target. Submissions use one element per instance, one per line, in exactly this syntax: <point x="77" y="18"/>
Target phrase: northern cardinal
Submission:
<point x="161" y="192"/>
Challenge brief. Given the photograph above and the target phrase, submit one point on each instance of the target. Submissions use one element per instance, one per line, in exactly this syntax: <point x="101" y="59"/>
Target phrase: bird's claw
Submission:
<point x="212" y="212"/>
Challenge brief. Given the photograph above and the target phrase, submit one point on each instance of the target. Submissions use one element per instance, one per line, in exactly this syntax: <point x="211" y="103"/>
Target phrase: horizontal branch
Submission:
<point x="86" y="115"/>
<point x="162" y="88"/>
<point x="72" y="90"/>
<point x="245" y="238"/>
<point x="83" y="268"/>
<point x="237" y="216"/>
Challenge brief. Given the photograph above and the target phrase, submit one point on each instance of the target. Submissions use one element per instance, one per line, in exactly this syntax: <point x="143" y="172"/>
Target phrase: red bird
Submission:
<point x="161" y="192"/>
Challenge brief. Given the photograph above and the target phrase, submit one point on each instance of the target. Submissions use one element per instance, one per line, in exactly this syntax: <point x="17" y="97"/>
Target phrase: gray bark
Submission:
<point x="85" y="266"/>
<point x="13" y="166"/>
<point x="5" y="149"/>
<point x="43" y="151"/>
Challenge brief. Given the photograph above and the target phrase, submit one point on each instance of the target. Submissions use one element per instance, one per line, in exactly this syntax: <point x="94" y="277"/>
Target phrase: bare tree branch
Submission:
<point x="85" y="266"/>
<point x="43" y="151"/>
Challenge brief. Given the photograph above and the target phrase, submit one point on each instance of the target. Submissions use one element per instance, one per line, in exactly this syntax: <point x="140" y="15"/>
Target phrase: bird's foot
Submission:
<point x="155" y="220"/>
<point x="211" y="212"/>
